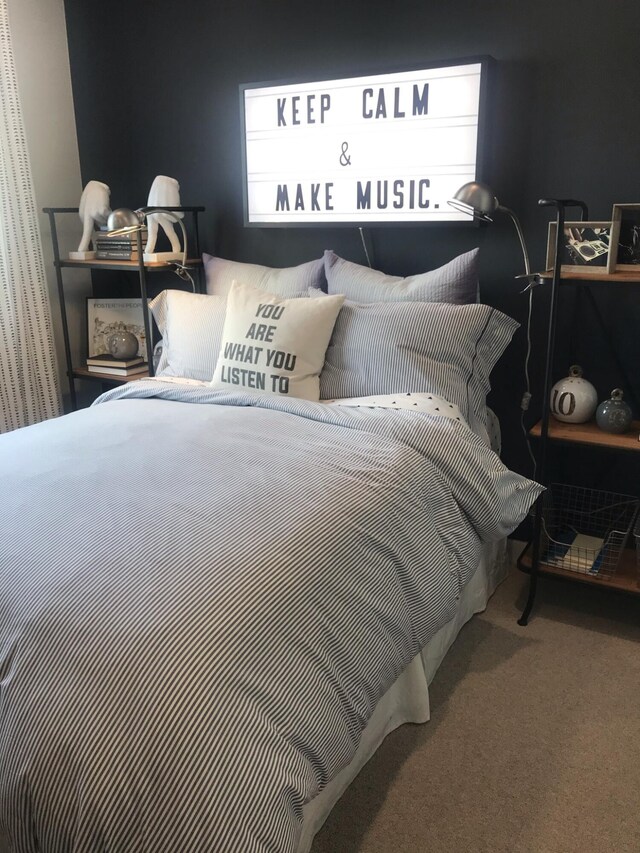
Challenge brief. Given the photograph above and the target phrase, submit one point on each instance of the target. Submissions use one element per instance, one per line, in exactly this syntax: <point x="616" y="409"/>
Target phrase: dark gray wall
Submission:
<point x="156" y="92"/>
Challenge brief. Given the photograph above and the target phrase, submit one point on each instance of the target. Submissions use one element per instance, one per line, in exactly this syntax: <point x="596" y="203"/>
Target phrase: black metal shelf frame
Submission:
<point x="542" y="474"/>
<point x="141" y="268"/>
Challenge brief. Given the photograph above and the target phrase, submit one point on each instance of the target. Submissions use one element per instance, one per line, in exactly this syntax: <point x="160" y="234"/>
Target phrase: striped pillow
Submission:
<point x="287" y="282"/>
<point x="455" y="282"/>
<point x="191" y="327"/>
<point x="389" y="347"/>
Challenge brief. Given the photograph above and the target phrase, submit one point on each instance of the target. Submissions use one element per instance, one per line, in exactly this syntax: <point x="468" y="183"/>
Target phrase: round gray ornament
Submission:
<point x="614" y="415"/>
<point x="122" y="345"/>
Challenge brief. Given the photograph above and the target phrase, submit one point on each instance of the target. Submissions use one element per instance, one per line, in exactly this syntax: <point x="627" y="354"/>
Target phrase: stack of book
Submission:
<point x="122" y="247"/>
<point x="575" y="552"/>
<point x="116" y="366"/>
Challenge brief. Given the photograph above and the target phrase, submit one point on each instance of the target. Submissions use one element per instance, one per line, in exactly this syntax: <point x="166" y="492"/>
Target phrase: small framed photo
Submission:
<point x="105" y="316"/>
<point x="625" y="238"/>
<point x="586" y="246"/>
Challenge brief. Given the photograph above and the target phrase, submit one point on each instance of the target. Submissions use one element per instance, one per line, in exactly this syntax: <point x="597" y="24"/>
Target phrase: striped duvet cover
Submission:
<point x="202" y="598"/>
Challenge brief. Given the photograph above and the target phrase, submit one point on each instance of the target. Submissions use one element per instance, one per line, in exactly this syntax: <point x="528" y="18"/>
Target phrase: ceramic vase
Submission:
<point x="614" y="415"/>
<point x="573" y="399"/>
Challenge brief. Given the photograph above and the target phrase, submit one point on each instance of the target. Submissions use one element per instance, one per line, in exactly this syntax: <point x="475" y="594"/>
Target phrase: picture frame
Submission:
<point x="587" y="246"/>
<point x="114" y="314"/>
<point x="625" y="238"/>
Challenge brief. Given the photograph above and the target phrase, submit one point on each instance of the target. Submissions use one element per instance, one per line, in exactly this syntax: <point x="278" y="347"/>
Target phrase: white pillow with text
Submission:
<point x="273" y="345"/>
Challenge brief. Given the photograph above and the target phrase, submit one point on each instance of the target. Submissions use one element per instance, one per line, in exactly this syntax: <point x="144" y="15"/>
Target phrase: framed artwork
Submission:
<point x="105" y="316"/>
<point x="625" y="238"/>
<point x="586" y="246"/>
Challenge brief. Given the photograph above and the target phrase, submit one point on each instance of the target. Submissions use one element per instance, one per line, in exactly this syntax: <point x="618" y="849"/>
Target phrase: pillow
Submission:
<point x="437" y="348"/>
<point x="283" y="282"/>
<point x="191" y="327"/>
<point x="274" y="345"/>
<point x="455" y="282"/>
<point x="430" y="404"/>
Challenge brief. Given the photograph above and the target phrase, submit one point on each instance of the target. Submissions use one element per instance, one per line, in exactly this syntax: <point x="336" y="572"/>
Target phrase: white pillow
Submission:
<point x="191" y="327"/>
<point x="431" y="404"/>
<point x="274" y="345"/>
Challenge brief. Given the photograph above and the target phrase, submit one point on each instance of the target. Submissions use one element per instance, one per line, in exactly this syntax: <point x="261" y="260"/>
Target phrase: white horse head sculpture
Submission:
<point x="164" y="192"/>
<point x="93" y="208"/>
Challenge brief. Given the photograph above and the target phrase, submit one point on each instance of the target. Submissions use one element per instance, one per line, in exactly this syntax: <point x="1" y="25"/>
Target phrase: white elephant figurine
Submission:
<point x="93" y="210"/>
<point x="164" y="192"/>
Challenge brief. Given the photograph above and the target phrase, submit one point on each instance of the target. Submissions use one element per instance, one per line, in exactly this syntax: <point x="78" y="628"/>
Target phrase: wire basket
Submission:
<point x="585" y="530"/>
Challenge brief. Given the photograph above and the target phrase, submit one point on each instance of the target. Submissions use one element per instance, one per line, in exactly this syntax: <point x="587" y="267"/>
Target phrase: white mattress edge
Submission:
<point x="407" y="700"/>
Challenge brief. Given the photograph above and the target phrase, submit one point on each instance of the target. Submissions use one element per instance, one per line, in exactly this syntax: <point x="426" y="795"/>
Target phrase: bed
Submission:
<point x="214" y="604"/>
<point x="407" y="700"/>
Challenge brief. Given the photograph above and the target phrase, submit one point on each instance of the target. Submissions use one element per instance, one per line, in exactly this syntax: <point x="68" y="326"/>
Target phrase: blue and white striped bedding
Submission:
<point x="202" y="598"/>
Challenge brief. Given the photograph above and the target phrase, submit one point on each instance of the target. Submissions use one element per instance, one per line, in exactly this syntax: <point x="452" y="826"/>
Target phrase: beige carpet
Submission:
<point x="533" y="743"/>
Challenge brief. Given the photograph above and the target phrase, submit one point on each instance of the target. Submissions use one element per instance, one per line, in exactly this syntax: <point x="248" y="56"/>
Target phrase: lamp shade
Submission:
<point x="123" y="221"/>
<point x="476" y="199"/>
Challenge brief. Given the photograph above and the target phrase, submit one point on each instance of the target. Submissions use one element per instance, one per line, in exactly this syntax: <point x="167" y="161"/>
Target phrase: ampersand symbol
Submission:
<point x="344" y="160"/>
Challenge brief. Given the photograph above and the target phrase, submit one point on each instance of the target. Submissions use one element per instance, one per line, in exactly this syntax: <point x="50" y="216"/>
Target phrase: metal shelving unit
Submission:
<point x="548" y="430"/>
<point x="143" y="269"/>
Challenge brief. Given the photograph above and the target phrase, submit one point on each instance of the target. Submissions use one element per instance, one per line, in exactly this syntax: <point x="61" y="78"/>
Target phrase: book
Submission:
<point x="116" y="256"/>
<point x="117" y="247"/>
<point x="117" y="250"/>
<point x="113" y="244"/>
<point x="118" y="371"/>
<point x="107" y="360"/>
<point x="575" y="552"/>
<point x="127" y="235"/>
<point x="103" y="242"/>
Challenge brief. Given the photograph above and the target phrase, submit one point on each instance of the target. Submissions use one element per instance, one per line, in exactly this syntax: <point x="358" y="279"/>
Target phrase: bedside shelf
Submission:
<point x="83" y="373"/>
<point x="114" y="265"/>
<point x="593" y="277"/>
<point x="121" y="265"/>
<point x="625" y="579"/>
<point x="589" y="433"/>
<point x="581" y="503"/>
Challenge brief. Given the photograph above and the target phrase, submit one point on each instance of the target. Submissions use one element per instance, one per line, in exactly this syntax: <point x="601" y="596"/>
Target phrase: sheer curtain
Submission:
<point x="29" y="390"/>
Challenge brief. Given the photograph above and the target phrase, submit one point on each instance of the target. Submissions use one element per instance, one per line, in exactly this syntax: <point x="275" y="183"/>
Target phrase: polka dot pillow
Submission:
<point x="431" y="404"/>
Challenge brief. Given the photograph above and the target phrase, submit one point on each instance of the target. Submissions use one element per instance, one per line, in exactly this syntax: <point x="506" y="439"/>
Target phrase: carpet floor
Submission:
<point x="533" y="744"/>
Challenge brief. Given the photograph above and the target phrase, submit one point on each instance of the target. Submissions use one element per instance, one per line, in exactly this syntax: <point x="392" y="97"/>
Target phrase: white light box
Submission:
<point x="387" y="148"/>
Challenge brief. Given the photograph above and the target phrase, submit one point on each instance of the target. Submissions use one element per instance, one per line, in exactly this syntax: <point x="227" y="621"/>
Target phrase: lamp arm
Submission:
<point x="516" y="222"/>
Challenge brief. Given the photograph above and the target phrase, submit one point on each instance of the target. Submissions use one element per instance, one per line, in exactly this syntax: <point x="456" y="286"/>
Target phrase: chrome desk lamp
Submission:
<point x="478" y="201"/>
<point x="126" y="221"/>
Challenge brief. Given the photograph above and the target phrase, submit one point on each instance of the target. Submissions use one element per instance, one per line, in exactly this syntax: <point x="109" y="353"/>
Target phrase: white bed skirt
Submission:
<point x="407" y="700"/>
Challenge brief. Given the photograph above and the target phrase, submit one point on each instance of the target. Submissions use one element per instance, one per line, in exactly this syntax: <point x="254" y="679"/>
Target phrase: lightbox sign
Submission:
<point x="388" y="148"/>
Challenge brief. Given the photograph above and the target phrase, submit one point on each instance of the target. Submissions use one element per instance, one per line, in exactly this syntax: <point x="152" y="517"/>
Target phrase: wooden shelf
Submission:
<point x="624" y="580"/>
<point x="594" y="276"/>
<point x="589" y="433"/>
<point x="122" y="265"/>
<point x="83" y="373"/>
